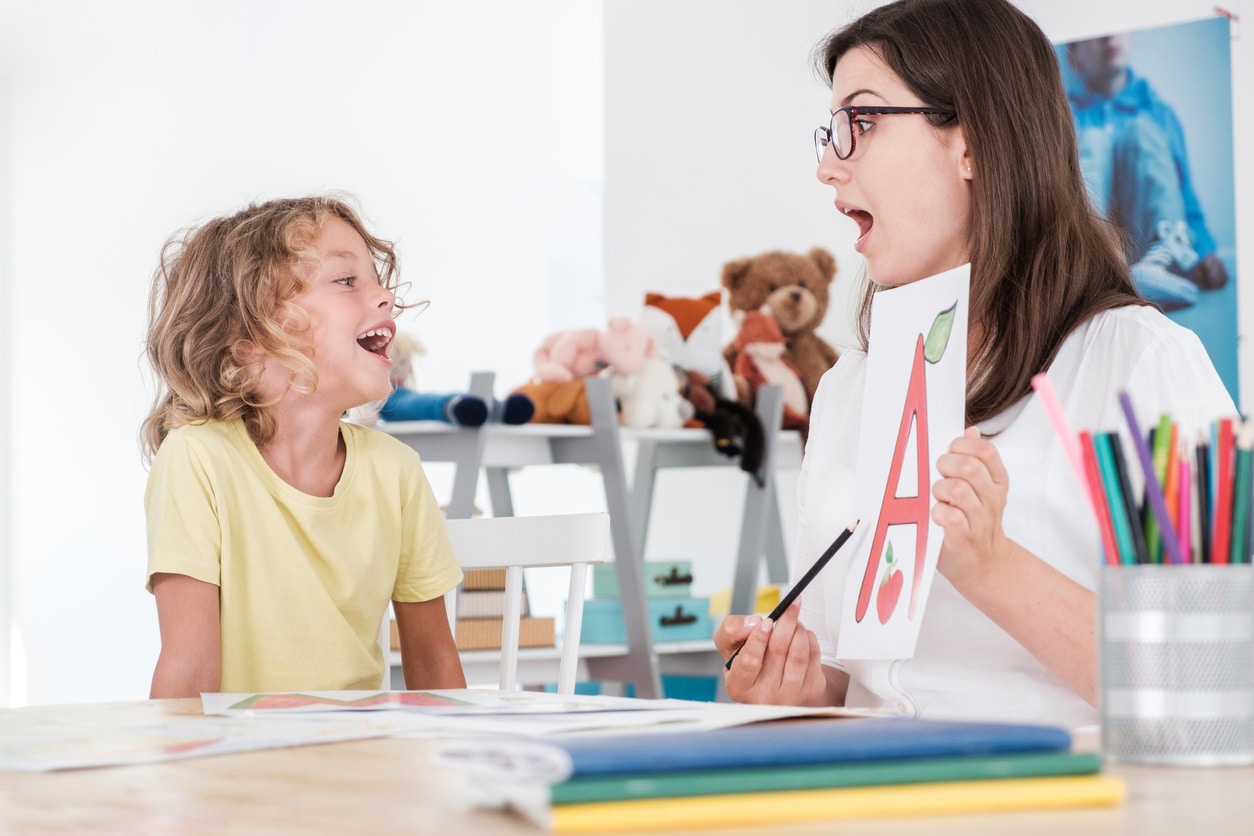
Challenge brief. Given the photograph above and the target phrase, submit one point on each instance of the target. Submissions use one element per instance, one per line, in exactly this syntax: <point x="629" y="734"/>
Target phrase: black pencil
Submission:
<point x="1202" y="478"/>
<point x="1139" y="546"/>
<point x="792" y="594"/>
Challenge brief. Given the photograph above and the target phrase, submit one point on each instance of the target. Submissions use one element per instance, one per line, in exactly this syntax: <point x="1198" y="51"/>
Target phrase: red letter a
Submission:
<point x="904" y="510"/>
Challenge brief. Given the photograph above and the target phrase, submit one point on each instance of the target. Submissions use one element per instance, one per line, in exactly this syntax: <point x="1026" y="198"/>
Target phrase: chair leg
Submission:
<point x="568" y="667"/>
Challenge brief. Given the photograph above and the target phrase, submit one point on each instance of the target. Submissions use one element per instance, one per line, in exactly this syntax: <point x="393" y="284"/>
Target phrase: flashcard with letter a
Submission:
<point x="914" y="406"/>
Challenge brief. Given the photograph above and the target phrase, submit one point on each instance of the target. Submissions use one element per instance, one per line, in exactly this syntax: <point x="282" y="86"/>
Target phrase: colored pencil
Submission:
<point x="1101" y="509"/>
<point x="1162" y="440"/>
<point x="1222" y="539"/>
<point x="1139" y="548"/>
<point x="1171" y="491"/>
<point x="1201" y="457"/>
<point x="1118" y="511"/>
<point x="1070" y="443"/>
<point x="1241" y="494"/>
<point x="1187" y="507"/>
<point x="1152" y="484"/>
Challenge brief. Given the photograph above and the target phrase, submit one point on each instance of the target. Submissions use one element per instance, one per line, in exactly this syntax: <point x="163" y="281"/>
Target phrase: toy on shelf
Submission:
<point x="760" y="360"/>
<point x="653" y="399"/>
<point x="582" y="352"/>
<point x="689" y="334"/>
<point x="460" y="408"/>
<point x="795" y="287"/>
<point x="557" y="403"/>
<point x="620" y="351"/>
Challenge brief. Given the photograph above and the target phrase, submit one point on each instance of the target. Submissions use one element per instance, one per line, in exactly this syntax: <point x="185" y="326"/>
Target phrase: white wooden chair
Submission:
<point x="515" y="543"/>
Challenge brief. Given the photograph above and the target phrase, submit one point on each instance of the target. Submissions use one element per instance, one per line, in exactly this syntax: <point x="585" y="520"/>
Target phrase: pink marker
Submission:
<point x="1070" y="442"/>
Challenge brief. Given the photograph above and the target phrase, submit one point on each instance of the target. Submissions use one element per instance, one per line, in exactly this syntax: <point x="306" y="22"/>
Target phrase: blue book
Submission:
<point x="805" y="741"/>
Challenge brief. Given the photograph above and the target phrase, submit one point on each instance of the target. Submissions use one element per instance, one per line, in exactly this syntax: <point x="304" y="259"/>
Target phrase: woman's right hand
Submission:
<point x="778" y="663"/>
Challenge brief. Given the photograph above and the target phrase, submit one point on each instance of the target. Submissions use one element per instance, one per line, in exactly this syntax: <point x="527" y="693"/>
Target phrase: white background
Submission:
<point x="541" y="164"/>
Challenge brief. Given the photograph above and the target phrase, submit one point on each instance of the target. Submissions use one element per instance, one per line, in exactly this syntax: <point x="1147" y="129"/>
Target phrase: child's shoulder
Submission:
<point x="205" y="435"/>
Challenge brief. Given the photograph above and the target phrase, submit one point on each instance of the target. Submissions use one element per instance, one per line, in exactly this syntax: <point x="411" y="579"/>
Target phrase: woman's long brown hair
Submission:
<point x="1042" y="260"/>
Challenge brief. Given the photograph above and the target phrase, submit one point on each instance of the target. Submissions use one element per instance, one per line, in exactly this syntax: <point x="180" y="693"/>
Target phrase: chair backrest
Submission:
<point x="515" y="543"/>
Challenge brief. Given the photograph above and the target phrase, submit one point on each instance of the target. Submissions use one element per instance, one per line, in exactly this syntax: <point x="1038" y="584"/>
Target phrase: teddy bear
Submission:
<point x="796" y="288"/>
<point x="582" y="352"/>
<point x="761" y="360"/>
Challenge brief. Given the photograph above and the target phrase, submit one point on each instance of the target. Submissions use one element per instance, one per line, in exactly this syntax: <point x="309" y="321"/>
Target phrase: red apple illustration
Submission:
<point x="890" y="587"/>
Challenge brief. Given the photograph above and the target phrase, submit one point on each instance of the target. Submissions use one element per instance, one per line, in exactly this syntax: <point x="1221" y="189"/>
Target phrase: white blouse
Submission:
<point x="964" y="665"/>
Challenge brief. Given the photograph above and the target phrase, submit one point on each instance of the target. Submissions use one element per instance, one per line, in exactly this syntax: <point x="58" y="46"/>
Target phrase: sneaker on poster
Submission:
<point x="1163" y="273"/>
<point x="1171" y="249"/>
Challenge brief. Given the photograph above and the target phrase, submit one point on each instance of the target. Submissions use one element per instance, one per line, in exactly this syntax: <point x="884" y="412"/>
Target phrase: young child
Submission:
<point x="277" y="533"/>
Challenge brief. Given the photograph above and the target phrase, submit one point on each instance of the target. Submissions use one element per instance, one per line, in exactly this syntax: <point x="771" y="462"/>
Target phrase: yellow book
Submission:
<point x="831" y="804"/>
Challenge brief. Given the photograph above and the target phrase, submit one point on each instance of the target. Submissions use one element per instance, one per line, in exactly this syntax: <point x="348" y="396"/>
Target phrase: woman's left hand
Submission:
<point x="970" y="499"/>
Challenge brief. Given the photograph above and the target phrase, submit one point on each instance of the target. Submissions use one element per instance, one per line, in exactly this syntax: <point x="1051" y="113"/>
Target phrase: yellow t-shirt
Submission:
<point x="304" y="581"/>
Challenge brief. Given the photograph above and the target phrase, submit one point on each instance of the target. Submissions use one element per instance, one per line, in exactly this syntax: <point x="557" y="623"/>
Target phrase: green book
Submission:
<point x="820" y="776"/>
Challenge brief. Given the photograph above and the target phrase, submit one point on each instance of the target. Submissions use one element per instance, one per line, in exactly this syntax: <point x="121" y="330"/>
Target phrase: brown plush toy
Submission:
<point x="795" y="287"/>
<point x="558" y="403"/>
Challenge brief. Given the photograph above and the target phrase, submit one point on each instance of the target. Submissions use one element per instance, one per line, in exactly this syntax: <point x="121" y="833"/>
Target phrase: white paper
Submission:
<point x="915" y="381"/>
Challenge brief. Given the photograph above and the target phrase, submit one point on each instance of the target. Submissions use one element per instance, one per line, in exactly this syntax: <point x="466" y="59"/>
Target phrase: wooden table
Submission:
<point x="387" y="786"/>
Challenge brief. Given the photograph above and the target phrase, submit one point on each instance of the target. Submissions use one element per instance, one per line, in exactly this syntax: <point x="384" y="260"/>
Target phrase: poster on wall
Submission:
<point x="1153" y="115"/>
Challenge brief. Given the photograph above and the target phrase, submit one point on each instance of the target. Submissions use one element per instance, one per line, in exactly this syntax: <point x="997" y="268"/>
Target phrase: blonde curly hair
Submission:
<point x="221" y="294"/>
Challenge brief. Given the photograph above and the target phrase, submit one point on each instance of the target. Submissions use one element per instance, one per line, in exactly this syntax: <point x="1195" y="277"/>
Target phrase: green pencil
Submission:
<point x="1240" y="550"/>
<point x="1114" y="494"/>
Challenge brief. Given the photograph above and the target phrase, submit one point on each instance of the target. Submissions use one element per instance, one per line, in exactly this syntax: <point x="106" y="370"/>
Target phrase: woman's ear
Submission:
<point x="962" y="154"/>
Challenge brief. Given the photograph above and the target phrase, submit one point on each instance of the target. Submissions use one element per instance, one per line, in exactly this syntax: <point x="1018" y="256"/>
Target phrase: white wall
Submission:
<point x="6" y="541"/>
<point x="472" y="131"/>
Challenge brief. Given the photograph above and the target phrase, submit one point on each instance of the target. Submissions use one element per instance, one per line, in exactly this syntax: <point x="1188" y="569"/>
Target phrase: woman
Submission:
<point x="975" y="162"/>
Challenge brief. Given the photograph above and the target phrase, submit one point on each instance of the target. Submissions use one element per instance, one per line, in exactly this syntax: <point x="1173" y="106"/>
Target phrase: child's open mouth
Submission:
<point x="376" y="340"/>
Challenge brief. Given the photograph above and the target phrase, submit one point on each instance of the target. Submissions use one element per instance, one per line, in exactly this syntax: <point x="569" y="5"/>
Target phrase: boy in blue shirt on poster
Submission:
<point x="1135" y="166"/>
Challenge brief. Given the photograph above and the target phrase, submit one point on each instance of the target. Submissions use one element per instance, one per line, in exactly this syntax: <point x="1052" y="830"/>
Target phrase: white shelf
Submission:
<point x="497" y="448"/>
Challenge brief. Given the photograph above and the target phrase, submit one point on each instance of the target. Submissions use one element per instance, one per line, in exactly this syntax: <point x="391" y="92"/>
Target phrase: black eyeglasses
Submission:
<point x="839" y="133"/>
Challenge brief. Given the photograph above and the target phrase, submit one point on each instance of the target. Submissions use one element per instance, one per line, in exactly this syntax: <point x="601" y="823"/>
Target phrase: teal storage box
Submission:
<point x="662" y="579"/>
<point x="670" y="619"/>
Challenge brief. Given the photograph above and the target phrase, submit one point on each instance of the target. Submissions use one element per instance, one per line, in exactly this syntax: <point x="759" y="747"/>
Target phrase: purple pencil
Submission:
<point x="1154" y="490"/>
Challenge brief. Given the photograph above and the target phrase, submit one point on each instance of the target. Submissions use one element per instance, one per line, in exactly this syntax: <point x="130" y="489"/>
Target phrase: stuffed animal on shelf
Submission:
<point x="796" y="288"/>
<point x="760" y="360"/>
<point x="653" y="400"/>
<point x="582" y="352"/>
<point x="557" y="403"/>
<point x="688" y="332"/>
<point x="461" y="408"/>
<point x="734" y="427"/>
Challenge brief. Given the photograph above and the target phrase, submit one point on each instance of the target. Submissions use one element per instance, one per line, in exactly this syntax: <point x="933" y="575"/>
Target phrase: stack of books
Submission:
<point x="820" y="769"/>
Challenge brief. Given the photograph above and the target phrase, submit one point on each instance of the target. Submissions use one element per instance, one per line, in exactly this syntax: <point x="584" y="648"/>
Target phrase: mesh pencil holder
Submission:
<point x="1177" y="664"/>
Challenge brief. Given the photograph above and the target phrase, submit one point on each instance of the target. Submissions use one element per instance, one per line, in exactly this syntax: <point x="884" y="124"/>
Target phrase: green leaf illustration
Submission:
<point x="938" y="336"/>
